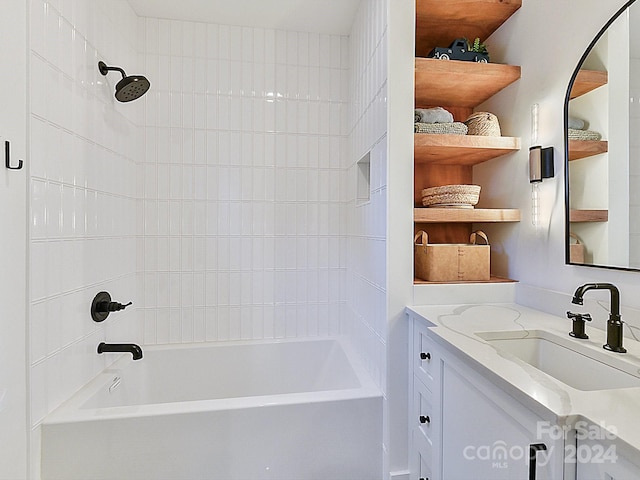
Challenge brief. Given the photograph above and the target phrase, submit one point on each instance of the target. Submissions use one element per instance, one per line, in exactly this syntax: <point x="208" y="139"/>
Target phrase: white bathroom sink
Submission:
<point x="565" y="359"/>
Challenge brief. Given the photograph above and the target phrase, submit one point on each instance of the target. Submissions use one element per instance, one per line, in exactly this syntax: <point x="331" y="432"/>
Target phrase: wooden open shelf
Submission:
<point x="464" y="84"/>
<point x="586" y="148"/>
<point x="581" y="216"/>
<point x="439" y="22"/>
<point x="588" y="80"/>
<point x="465" y="215"/>
<point x="492" y="279"/>
<point x="459" y="87"/>
<point x="460" y="149"/>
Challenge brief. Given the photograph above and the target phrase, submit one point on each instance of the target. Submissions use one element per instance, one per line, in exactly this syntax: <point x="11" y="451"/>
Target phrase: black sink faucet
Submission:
<point x="132" y="348"/>
<point x="614" y="324"/>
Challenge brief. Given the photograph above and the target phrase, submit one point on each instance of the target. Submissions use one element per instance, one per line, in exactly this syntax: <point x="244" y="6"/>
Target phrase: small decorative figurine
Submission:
<point x="461" y="49"/>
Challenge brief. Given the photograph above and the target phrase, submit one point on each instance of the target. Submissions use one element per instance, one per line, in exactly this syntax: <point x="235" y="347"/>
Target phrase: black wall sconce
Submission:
<point x="540" y="163"/>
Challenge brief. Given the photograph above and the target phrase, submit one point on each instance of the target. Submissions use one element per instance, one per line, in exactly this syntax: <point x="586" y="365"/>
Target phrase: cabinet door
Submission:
<point x="488" y="435"/>
<point x="421" y="458"/>
<point x="600" y="459"/>
<point x="424" y="419"/>
<point x="424" y="358"/>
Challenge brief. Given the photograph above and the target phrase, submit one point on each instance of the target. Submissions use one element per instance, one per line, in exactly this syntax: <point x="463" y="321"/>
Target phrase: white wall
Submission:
<point x="13" y="239"/>
<point x="400" y="224"/>
<point x="547" y="38"/>
<point x="83" y="146"/>
<point x="379" y="258"/>
<point x="365" y="222"/>
<point x="203" y="187"/>
<point x="240" y="183"/>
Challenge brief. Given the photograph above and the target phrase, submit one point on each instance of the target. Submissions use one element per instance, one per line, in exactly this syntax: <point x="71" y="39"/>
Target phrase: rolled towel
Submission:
<point x="433" y="115"/>
<point x="577" y="123"/>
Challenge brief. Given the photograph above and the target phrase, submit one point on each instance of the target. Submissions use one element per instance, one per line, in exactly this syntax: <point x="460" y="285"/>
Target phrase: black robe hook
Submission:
<point x="7" y="156"/>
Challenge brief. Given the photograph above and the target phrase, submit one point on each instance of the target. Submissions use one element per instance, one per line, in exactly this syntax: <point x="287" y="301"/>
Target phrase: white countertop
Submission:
<point x="618" y="410"/>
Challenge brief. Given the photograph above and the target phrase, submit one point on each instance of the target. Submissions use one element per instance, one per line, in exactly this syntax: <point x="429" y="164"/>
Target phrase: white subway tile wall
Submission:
<point x="239" y="189"/>
<point x="222" y="203"/>
<point x="82" y="166"/>
<point x="365" y="225"/>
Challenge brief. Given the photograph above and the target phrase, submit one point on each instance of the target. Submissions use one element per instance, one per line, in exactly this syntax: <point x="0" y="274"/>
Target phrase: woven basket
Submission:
<point x="455" y="128"/>
<point x="451" y="195"/>
<point x="438" y="262"/>
<point x="483" y="123"/>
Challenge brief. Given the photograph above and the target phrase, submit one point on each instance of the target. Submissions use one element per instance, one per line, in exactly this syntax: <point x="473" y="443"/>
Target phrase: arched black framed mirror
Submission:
<point x="602" y="148"/>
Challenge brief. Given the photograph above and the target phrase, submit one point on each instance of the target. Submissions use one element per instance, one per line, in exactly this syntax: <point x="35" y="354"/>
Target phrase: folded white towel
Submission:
<point x="432" y="115"/>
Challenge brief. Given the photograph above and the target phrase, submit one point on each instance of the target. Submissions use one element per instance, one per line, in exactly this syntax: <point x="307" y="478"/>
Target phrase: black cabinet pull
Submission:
<point x="533" y="450"/>
<point x="7" y="157"/>
<point x="425" y="419"/>
<point x="425" y="356"/>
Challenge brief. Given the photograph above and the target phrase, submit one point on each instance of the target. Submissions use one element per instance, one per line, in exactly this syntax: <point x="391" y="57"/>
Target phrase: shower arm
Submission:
<point x="104" y="68"/>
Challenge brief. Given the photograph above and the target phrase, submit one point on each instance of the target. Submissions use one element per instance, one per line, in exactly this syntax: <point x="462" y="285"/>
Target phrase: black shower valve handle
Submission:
<point x="102" y="306"/>
<point x="111" y="306"/>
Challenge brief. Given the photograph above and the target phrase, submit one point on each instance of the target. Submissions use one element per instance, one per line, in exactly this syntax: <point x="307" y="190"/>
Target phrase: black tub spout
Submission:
<point x="132" y="348"/>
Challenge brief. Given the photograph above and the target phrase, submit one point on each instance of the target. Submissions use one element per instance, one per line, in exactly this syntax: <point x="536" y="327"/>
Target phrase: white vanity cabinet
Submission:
<point x="464" y="427"/>
<point x="424" y="421"/>
<point x="489" y="435"/>
<point x="602" y="459"/>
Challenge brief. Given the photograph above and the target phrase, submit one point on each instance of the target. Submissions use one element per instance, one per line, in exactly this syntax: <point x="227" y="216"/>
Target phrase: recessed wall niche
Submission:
<point x="363" y="186"/>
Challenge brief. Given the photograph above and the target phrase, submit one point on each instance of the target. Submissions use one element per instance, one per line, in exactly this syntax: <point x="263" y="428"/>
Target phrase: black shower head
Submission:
<point x="130" y="87"/>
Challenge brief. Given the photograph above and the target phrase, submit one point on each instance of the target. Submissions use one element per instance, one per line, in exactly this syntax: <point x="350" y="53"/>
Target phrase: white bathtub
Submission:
<point x="297" y="410"/>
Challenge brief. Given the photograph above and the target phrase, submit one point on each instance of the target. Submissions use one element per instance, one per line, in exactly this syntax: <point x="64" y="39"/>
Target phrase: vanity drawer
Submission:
<point x="421" y="459"/>
<point x="425" y="359"/>
<point x="423" y="419"/>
